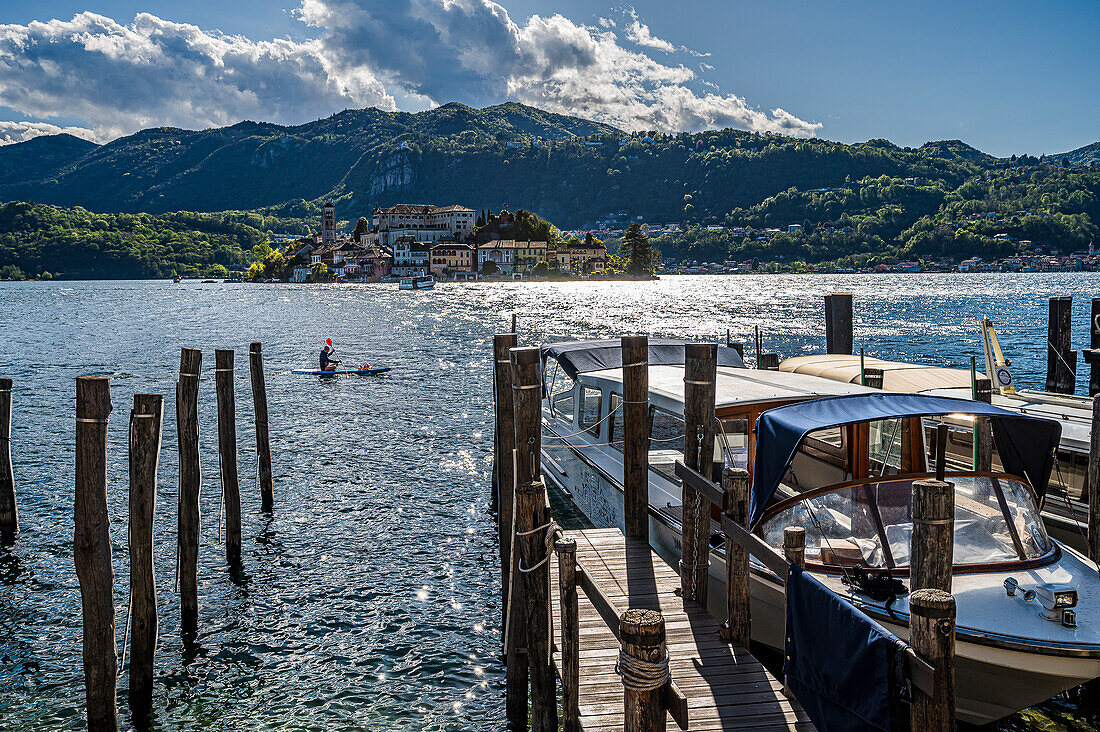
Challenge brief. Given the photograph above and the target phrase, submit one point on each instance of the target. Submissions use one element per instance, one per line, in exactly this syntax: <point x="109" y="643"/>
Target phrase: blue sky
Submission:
<point x="1008" y="77"/>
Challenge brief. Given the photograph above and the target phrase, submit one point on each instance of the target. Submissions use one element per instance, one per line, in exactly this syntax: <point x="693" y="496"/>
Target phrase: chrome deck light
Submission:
<point x="1056" y="598"/>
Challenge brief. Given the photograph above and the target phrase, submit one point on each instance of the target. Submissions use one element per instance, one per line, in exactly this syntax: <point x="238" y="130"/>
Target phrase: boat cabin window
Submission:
<point x="591" y="398"/>
<point x="666" y="442"/>
<point x="870" y="523"/>
<point x="615" y="422"/>
<point x="563" y="404"/>
<point x="731" y="444"/>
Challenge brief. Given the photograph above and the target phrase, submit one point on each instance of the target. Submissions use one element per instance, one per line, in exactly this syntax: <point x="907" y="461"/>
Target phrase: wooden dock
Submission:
<point x="726" y="687"/>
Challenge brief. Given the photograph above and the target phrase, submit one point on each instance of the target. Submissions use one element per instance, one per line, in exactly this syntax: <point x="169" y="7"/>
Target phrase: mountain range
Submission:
<point x="571" y="171"/>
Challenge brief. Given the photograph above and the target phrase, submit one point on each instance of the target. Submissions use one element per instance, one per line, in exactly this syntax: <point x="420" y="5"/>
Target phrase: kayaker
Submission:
<point x="327" y="362"/>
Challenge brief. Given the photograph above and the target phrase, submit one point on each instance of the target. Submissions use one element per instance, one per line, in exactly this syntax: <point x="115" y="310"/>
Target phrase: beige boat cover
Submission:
<point x="896" y="376"/>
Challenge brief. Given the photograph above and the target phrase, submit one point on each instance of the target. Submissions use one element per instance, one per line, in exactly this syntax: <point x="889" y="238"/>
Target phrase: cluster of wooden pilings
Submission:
<point x="92" y="539"/>
<point x="528" y="534"/>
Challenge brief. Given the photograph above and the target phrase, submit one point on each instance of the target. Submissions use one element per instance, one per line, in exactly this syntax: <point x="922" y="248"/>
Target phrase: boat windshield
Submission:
<point x="870" y="524"/>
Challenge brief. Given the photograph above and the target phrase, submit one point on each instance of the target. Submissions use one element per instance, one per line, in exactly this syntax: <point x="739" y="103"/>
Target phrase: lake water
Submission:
<point x="370" y="597"/>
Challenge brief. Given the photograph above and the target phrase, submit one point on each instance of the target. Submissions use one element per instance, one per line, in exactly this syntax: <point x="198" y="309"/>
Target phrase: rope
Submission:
<point x="1060" y="358"/>
<point x="641" y="675"/>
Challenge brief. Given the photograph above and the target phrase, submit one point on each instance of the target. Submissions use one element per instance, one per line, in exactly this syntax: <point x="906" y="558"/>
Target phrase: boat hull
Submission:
<point x="991" y="682"/>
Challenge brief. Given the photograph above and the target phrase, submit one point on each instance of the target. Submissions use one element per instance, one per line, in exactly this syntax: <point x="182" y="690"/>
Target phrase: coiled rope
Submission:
<point x="641" y="675"/>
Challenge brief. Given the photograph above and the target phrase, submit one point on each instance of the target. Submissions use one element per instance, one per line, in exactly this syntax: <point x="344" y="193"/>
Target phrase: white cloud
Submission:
<point x="119" y="78"/>
<point x="154" y="72"/>
<point x="12" y="132"/>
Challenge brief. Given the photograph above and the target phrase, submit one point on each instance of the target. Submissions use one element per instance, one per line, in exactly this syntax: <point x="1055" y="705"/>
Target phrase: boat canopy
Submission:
<point x="896" y="376"/>
<point x="1025" y="444"/>
<point x="578" y="357"/>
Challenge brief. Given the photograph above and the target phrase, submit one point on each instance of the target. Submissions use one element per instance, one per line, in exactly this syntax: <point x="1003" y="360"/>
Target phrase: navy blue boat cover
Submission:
<point x="1025" y="444"/>
<point x="846" y="670"/>
<point x="578" y="357"/>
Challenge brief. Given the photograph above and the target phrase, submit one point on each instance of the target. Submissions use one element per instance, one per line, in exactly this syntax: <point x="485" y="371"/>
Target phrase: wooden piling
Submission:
<point x="9" y="513"/>
<point x="983" y="390"/>
<point x="532" y="519"/>
<point x="932" y="636"/>
<point x="190" y="481"/>
<point x="145" y="434"/>
<point x="873" y="377"/>
<point x="838" y="323"/>
<point x="527" y="408"/>
<point x="642" y="635"/>
<point x="700" y="371"/>
<point x="566" y="549"/>
<point x="1092" y="355"/>
<point x="92" y="551"/>
<point x="933" y="534"/>
<point x="1061" y="358"/>
<point x="505" y="442"/>
<point x="227" y="454"/>
<point x="635" y="416"/>
<point x="794" y="545"/>
<point x="769" y="362"/>
<point x="1093" y="487"/>
<point x="263" y="438"/>
<point x="735" y="485"/>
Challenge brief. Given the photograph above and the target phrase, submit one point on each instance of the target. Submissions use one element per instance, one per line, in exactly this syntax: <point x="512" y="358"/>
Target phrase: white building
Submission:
<point x="456" y="220"/>
<point x="411" y="258"/>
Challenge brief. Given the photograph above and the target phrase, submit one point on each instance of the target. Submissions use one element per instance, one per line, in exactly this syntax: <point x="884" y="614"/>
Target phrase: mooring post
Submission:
<point x="263" y="438"/>
<point x="838" y="323"/>
<point x="1092" y="354"/>
<point x="983" y="430"/>
<point x="635" y="416"/>
<point x="735" y="485"/>
<point x="700" y="371"/>
<point x="570" y="633"/>
<point x="769" y="361"/>
<point x="9" y="514"/>
<point x="145" y="432"/>
<point x="227" y="454"/>
<point x="187" y="537"/>
<point x="1093" y="487"/>
<point x="92" y="551"/>
<point x="532" y="517"/>
<point x="873" y="377"/>
<point x="505" y="443"/>
<point x="794" y="545"/>
<point x="932" y="637"/>
<point x="642" y="640"/>
<point x="1061" y="358"/>
<point x="933" y="534"/>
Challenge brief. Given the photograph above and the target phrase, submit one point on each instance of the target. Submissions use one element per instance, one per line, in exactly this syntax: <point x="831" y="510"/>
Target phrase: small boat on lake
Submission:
<point x="342" y="372"/>
<point x="839" y="460"/>
<point x="416" y="283"/>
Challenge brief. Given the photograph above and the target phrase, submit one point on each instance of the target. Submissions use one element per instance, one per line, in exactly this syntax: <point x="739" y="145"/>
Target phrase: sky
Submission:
<point x="1007" y="77"/>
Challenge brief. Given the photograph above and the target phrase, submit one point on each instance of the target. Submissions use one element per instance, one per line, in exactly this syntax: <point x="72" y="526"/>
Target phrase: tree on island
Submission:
<point x="362" y="226"/>
<point x="635" y="248"/>
<point x="319" y="272"/>
<point x="489" y="267"/>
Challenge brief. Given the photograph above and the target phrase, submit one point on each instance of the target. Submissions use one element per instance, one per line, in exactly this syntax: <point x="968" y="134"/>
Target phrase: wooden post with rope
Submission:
<point x="190" y="481"/>
<point x="932" y="637"/>
<point x="1061" y="358"/>
<point x="532" y="522"/>
<point x="263" y="437"/>
<point x="873" y="377"/>
<point x="227" y="454"/>
<point x="145" y="434"/>
<point x="983" y="428"/>
<point x="92" y="552"/>
<point x="635" y="420"/>
<point x="566" y="549"/>
<point x="9" y="513"/>
<point x="735" y="485"/>
<point x="700" y="371"/>
<point x="838" y="323"/>
<point x="1093" y="486"/>
<point x="933" y="539"/>
<point x="643" y="666"/>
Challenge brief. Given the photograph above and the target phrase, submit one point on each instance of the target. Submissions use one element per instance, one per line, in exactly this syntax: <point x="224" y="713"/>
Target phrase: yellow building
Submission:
<point x="452" y="256"/>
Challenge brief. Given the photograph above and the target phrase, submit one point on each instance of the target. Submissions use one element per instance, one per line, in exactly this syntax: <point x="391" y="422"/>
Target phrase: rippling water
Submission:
<point x="369" y="600"/>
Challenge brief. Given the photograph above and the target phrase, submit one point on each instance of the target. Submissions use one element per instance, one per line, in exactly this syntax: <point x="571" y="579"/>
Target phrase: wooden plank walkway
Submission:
<point x="726" y="687"/>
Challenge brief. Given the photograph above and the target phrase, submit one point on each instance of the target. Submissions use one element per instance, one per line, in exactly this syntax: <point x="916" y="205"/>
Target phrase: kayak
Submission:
<point x="341" y="372"/>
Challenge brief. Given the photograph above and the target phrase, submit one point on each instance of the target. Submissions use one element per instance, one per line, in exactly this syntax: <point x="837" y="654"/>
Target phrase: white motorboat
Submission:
<point x="416" y="283"/>
<point x="848" y="482"/>
<point x="1066" y="510"/>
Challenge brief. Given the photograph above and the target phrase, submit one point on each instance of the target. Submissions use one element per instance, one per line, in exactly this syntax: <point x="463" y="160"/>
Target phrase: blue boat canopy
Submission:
<point x="1026" y="445"/>
<point x="578" y="357"/>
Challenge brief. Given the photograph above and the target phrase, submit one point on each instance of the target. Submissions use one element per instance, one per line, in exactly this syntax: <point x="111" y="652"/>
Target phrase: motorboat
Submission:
<point x="839" y="460"/>
<point x="416" y="283"/>
<point x="1066" y="509"/>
